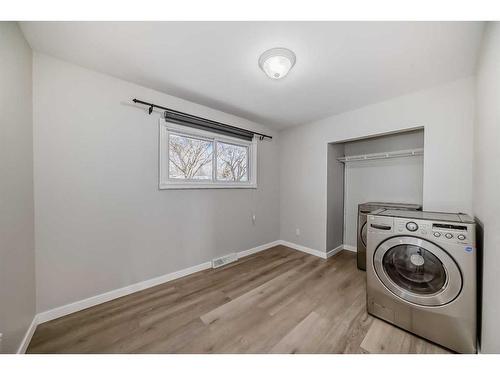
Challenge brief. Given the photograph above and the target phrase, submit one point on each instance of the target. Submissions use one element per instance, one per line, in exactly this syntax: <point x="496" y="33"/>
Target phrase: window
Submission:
<point x="232" y="162"/>
<point x="191" y="158"/>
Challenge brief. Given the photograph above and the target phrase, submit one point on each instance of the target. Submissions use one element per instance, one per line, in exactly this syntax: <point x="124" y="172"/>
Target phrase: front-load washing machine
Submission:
<point x="421" y="274"/>
<point x="363" y="210"/>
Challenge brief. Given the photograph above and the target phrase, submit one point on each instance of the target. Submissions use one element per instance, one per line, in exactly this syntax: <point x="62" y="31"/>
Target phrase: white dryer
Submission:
<point x="421" y="274"/>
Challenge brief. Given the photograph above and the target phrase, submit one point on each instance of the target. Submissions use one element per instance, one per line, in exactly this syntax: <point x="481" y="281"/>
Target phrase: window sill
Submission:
<point x="205" y="186"/>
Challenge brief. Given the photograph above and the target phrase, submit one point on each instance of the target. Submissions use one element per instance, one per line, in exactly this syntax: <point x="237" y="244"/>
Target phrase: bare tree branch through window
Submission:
<point x="232" y="162"/>
<point x="209" y="160"/>
<point x="190" y="158"/>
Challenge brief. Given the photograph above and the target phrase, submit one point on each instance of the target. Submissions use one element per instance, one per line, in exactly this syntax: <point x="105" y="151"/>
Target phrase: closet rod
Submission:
<point x="209" y="124"/>
<point x="383" y="155"/>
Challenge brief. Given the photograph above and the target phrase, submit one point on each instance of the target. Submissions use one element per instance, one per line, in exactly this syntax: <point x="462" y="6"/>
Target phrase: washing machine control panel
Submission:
<point x="451" y="232"/>
<point x="437" y="231"/>
<point x="412" y="226"/>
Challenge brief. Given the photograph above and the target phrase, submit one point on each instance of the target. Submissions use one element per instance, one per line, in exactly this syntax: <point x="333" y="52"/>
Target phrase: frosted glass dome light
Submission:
<point x="277" y="62"/>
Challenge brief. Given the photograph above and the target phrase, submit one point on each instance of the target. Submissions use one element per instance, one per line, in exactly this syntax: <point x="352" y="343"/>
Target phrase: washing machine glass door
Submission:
<point x="417" y="271"/>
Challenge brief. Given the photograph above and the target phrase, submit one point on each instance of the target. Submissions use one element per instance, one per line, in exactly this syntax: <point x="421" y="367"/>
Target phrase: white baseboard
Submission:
<point x="332" y="252"/>
<point x="304" y="249"/>
<point x="27" y="337"/>
<point x="117" y="293"/>
<point x="257" y="249"/>
<point x="318" y="253"/>
<point x="350" y="248"/>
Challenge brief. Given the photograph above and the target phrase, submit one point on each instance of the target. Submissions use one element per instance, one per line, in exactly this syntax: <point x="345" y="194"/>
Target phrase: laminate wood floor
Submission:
<point x="276" y="301"/>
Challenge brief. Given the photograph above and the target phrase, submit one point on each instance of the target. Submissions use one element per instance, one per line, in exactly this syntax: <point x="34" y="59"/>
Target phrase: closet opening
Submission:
<point x="386" y="168"/>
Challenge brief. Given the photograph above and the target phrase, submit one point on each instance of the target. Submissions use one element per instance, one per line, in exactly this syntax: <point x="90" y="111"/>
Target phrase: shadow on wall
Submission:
<point x="480" y="266"/>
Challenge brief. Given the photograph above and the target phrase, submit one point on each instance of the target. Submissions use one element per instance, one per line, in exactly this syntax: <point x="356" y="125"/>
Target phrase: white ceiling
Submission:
<point x="340" y="65"/>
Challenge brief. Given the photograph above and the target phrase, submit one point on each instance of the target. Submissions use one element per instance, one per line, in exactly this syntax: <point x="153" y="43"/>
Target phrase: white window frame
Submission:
<point x="167" y="128"/>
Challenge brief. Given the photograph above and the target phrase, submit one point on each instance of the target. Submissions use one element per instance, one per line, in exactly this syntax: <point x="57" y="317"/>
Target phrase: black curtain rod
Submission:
<point x="209" y="122"/>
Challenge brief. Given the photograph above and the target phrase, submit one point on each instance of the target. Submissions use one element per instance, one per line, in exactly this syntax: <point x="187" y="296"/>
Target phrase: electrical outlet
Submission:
<point x="297" y="232"/>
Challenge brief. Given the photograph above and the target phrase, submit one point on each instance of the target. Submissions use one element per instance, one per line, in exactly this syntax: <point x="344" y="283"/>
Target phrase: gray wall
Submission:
<point x="335" y="198"/>
<point x="101" y="222"/>
<point x="487" y="182"/>
<point x="386" y="180"/>
<point x="447" y="114"/>
<point x="17" y="257"/>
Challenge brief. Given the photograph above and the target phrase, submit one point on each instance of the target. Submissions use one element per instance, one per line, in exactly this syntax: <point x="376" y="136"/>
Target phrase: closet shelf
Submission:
<point x="383" y="155"/>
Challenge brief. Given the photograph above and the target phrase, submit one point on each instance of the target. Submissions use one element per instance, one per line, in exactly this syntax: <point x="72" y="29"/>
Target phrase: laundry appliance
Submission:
<point x="421" y="274"/>
<point x="363" y="210"/>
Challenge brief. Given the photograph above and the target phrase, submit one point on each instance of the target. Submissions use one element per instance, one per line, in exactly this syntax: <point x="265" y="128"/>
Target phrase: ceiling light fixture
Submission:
<point x="277" y="62"/>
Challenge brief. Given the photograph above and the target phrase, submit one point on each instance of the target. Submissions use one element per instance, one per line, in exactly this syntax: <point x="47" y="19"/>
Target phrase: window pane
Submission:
<point x="232" y="162"/>
<point x="189" y="158"/>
